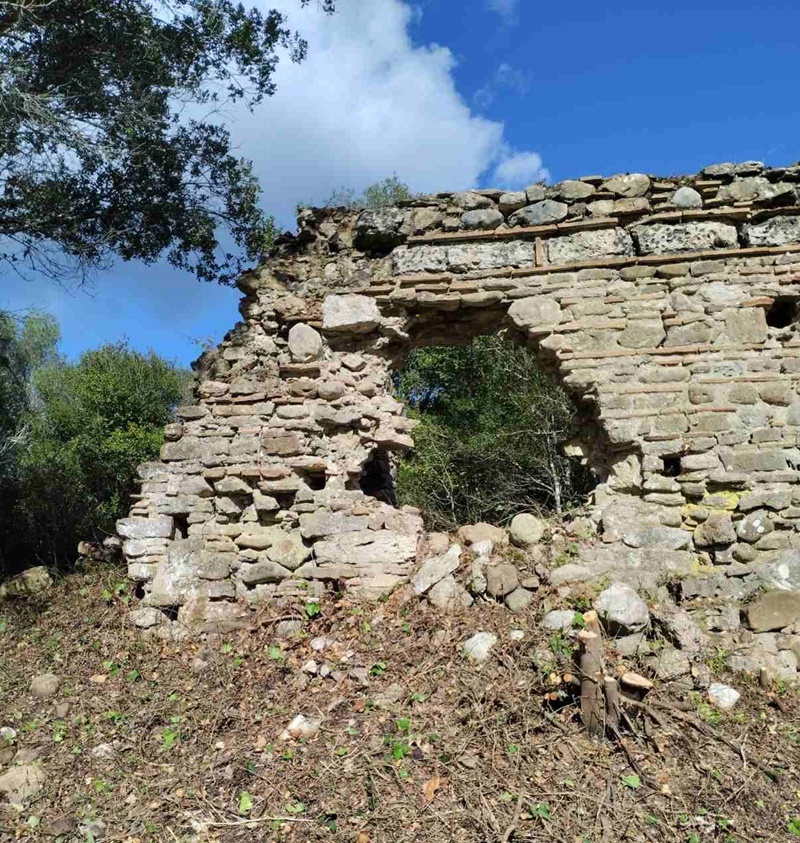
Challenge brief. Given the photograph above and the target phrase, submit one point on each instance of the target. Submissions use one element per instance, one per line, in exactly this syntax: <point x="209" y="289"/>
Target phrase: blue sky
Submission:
<point x="457" y="93"/>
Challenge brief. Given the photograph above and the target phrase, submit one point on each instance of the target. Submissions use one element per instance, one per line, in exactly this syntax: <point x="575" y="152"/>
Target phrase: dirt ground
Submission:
<point x="148" y="740"/>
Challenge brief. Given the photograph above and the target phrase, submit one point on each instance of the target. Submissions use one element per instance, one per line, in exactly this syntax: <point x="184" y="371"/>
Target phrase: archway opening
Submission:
<point x="494" y="436"/>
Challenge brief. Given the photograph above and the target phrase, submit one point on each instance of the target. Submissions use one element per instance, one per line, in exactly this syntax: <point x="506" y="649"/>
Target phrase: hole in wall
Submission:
<point x="671" y="466"/>
<point x="377" y="477"/>
<point x="181" y="526"/>
<point x="315" y="480"/>
<point x="171" y="612"/>
<point x="138" y="590"/>
<point x="782" y="312"/>
<point x="493" y="434"/>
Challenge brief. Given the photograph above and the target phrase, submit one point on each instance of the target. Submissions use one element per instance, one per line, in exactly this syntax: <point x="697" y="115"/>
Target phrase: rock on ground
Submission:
<point x="45" y="685"/>
<point x="622" y="610"/>
<point x="22" y="783"/>
<point x="478" y="646"/>
<point x="723" y="696"/>
<point x="435" y="569"/>
<point x="472" y="533"/>
<point x="774" y="610"/>
<point x="559" y="619"/>
<point x="526" y="529"/>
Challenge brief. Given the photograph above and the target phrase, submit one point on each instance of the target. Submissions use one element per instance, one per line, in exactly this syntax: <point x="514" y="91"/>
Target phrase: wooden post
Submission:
<point x="591" y="666"/>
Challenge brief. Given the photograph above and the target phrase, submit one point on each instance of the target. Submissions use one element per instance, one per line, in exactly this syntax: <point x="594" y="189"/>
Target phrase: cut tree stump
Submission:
<point x="593" y="706"/>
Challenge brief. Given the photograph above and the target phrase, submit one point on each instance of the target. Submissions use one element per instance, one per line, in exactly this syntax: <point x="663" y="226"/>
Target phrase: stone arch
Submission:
<point x="652" y="313"/>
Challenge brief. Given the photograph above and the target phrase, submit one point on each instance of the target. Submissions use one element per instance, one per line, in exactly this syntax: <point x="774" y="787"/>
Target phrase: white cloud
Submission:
<point x="507" y="9"/>
<point x="366" y="103"/>
<point x="505" y="77"/>
<point x="520" y="169"/>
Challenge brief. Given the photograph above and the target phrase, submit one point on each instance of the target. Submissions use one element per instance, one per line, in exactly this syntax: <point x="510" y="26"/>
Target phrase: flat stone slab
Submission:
<point x="774" y="610"/>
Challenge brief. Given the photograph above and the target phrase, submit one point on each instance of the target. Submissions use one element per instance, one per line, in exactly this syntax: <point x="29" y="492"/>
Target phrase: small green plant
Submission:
<point x="226" y="649"/>
<point x="512" y="749"/>
<point x="275" y="653"/>
<point x="718" y="662"/>
<point x="632" y="781"/>
<point x="400" y="749"/>
<point x="793" y="826"/>
<point x="403" y="724"/>
<point x="168" y="738"/>
<point x="133" y="675"/>
<point x="378" y="669"/>
<point x="540" y="811"/>
<point x="295" y="808"/>
<point x="312" y="609"/>
<point x="59" y="731"/>
<point x="101" y="786"/>
<point x="245" y="803"/>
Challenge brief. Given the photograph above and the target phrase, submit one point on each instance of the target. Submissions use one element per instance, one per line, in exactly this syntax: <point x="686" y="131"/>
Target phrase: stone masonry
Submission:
<point x="668" y="308"/>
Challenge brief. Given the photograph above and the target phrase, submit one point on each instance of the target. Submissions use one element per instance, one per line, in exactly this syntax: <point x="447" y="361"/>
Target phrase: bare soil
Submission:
<point x="429" y="747"/>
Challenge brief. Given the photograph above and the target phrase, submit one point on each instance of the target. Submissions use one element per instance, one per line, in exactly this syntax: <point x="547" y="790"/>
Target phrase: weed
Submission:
<point x="168" y="738"/>
<point x="245" y="803"/>
<point x="540" y="811"/>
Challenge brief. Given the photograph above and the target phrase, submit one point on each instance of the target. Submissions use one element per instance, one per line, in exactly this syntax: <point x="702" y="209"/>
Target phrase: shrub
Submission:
<point x="88" y="425"/>
<point x="488" y="445"/>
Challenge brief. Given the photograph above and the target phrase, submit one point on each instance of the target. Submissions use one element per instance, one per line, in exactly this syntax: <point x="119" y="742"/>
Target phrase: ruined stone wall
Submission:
<point x="666" y="307"/>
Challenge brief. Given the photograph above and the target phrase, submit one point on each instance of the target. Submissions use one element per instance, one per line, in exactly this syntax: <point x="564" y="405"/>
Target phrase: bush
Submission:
<point x="87" y="426"/>
<point x="487" y="447"/>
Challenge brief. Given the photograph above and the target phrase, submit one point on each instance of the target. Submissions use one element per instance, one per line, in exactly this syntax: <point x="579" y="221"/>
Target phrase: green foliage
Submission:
<point x="381" y="194"/>
<point x="82" y="429"/>
<point x="488" y="445"/>
<point x="100" y="155"/>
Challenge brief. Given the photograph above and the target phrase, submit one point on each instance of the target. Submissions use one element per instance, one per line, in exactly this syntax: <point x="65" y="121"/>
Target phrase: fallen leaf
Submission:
<point x="362" y="837"/>
<point x="431" y="786"/>
<point x="98" y="678"/>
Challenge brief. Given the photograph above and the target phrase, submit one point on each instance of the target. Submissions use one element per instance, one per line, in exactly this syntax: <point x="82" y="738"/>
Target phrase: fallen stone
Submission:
<point x="501" y="579"/>
<point x="301" y="727"/>
<point x="722" y="696"/>
<point x="27" y="584"/>
<point x="773" y="610"/>
<point x="473" y="533"/>
<point x="103" y="750"/>
<point x="519" y="599"/>
<point x="435" y="569"/>
<point x="448" y="595"/>
<point x="526" y="529"/>
<point x="45" y="685"/>
<point x="22" y="783"/>
<point x="478" y="646"/>
<point x="559" y="619"/>
<point x="622" y="610"/>
<point x="671" y="663"/>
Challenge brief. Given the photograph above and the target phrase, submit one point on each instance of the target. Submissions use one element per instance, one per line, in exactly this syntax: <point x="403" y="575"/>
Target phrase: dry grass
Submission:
<point x="466" y="753"/>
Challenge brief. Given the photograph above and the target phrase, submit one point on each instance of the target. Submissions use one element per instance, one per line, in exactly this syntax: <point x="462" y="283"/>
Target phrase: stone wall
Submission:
<point x="666" y="307"/>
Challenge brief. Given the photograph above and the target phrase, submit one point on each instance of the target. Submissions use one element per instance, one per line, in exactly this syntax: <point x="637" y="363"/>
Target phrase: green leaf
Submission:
<point x="633" y="781"/>
<point x="295" y="808"/>
<point x="168" y="738"/>
<point x="245" y="803"/>
<point x="793" y="826"/>
<point x="312" y="609"/>
<point x="275" y="653"/>
<point x="540" y="811"/>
